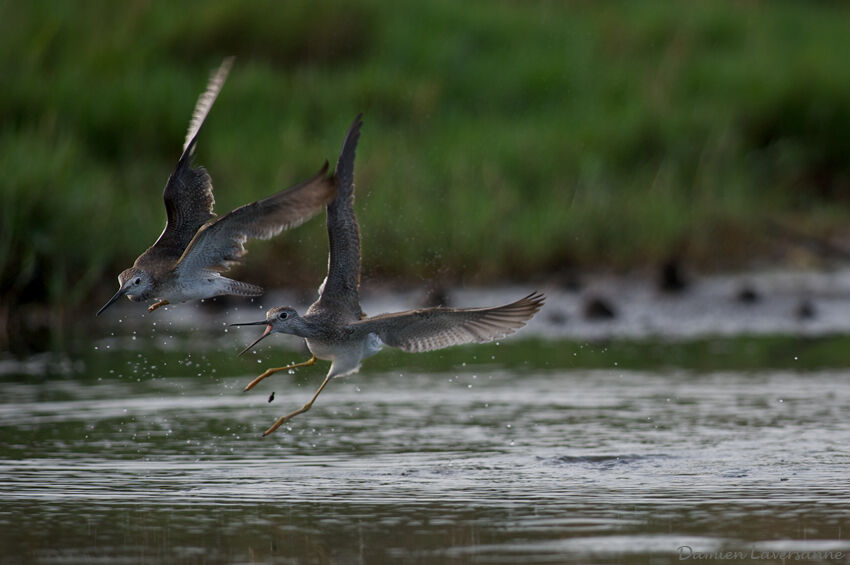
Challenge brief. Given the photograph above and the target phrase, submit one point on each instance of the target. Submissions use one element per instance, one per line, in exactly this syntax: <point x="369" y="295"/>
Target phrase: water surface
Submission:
<point x="479" y="465"/>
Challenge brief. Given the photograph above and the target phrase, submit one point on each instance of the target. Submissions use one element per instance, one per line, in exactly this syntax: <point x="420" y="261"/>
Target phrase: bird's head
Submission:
<point x="134" y="283"/>
<point x="281" y="319"/>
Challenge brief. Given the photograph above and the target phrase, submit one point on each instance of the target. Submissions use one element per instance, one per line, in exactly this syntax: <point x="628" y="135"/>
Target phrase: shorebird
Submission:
<point x="196" y="246"/>
<point x="336" y="329"/>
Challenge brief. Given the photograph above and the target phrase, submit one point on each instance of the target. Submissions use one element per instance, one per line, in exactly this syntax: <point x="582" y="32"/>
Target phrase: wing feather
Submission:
<point x="220" y="243"/>
<point x="341" y="290"/>
<point x="188" y="194"/>
<point x="435" y="328"/>
<point x="206" y="101"/>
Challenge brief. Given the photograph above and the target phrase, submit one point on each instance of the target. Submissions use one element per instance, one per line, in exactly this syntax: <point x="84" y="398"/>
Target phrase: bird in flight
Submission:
<point x="336" y="329"/>
<point x="196" y="246"/>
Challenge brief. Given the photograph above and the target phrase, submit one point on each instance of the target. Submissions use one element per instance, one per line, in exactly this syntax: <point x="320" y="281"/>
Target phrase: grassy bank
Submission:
<point x="190" y="356"/>
<point x="501" y="139"/>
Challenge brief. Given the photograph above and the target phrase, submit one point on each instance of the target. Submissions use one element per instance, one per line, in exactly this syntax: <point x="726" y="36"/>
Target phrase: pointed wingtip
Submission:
<point x="537" y="299"/>
<point x="204" y="105"/>
<point x="352" y="136"/>
<point x="531" y="303"/>
<point x="537" y="296"/>
<point x="345" y="165"/>
<point x="227" y="63"/>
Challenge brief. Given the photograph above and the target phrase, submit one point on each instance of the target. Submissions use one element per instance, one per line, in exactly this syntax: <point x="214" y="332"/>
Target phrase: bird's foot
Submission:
<point x="283" y="419"/>
<point x="153" y="307"/>
<point x="269" y="372"/>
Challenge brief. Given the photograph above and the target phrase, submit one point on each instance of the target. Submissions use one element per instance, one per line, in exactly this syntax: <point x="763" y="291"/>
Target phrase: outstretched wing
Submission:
<point x="220" y="243"/>
<point x="436" y="328"/>
<point x="341" y="290"/>
<point x="188" y="195"/>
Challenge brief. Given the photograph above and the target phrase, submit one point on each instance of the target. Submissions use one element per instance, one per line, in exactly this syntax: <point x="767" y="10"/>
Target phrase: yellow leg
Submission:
<point x="268" y="372"/>
<point x="153" y="307"/>
<point x="301" y="410"/>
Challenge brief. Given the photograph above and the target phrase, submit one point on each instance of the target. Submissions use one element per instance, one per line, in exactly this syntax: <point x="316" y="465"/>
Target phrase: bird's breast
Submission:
<point x="322" y="349"/>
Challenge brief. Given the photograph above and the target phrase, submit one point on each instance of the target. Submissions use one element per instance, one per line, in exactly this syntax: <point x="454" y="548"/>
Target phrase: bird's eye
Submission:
<point x="137" y="281"/>
<point x="283" y="315"/>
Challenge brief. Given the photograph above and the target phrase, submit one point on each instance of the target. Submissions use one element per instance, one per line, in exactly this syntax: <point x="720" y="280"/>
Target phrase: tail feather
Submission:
<point x="239" y="288"/>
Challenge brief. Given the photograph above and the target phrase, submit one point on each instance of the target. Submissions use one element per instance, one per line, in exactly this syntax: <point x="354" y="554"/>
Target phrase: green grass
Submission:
<point x="703" y="355"/>
<point x="518" y="355"/>
<point x="501" y="139"/>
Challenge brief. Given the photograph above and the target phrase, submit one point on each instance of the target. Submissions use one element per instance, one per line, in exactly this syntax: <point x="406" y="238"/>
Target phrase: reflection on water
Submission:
<point x="475" y="467"/>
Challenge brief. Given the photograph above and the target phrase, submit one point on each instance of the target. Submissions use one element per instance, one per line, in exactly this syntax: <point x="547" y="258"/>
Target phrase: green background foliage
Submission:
<point x="501" y="139"/>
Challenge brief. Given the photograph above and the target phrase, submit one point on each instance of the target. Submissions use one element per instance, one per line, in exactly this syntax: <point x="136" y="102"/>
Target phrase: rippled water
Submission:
<point x="487" y="466"/>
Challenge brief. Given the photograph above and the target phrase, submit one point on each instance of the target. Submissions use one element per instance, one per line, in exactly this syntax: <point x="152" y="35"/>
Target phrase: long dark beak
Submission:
<point x="259" y="339"/>
<point x="121" y="292"/>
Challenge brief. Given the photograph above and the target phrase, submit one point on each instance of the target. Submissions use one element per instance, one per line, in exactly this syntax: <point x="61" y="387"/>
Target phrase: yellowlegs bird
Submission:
<point x="196" y="246"/>
<point x="337" y="330"/>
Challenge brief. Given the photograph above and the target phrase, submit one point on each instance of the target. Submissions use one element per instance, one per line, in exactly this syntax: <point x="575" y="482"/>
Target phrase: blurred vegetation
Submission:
<point x="501" y="139"/>
<point x="190" y="355"/>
